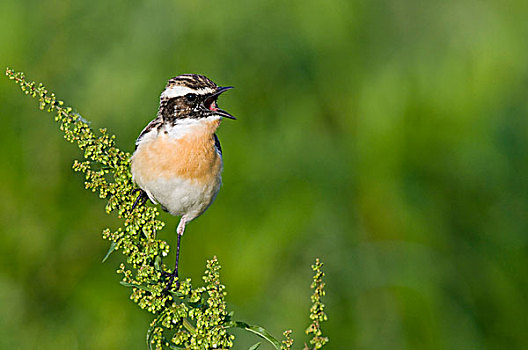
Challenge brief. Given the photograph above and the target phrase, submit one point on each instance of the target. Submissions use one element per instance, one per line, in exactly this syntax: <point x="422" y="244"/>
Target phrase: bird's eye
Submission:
<point x="190" y="97"/>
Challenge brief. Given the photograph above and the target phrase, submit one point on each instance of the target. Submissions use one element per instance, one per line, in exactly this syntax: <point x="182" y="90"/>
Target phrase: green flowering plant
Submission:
<point x="317" y="314"/>
<point x="185" y="316"/>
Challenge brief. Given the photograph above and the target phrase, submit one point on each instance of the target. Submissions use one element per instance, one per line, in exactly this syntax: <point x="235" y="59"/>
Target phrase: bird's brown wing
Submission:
<point x="154" y="124"/>
<point x="217" y="145"/>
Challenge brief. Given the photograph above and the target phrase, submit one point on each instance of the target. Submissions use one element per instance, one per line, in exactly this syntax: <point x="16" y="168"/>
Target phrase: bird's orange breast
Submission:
<point x="191" y="157"/>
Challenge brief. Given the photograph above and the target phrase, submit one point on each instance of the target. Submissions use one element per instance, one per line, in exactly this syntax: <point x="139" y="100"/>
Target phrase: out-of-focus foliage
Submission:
<point x="387" y="137"/>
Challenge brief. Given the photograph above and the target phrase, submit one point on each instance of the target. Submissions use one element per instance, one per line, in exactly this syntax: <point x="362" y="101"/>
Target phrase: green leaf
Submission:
<point x="177" y="294"/>
<point x="261" y="332"/>
<point x="229" y="316"/>
<point x="154" y="325"/>
<point x="110" y="251"/>
<point x="135" y="285"/>
<point x="255" y="346"/>
<point x="157" y="263"/>
<point x="189" y="326"/>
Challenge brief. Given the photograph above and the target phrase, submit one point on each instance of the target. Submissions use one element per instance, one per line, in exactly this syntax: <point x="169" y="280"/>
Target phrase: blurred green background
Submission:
<point x="388" y="138"/>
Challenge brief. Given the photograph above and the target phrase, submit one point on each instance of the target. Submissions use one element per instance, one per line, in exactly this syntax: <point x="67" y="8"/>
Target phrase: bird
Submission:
<point x="178" y="161"/>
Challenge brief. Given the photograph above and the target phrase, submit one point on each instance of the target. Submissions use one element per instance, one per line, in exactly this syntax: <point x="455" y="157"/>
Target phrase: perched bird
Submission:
<point x="178" y="160"/>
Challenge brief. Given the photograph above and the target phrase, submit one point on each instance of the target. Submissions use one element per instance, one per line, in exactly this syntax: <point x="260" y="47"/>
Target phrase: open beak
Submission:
<point x="210" y="102"/>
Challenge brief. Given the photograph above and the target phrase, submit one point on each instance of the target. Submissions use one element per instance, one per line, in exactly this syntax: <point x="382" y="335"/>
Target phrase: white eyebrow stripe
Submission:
<point x="178" y="91"/>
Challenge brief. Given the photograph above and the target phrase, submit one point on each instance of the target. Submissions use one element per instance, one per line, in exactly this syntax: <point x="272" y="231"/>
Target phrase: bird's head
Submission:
<point x="191" y="96"/>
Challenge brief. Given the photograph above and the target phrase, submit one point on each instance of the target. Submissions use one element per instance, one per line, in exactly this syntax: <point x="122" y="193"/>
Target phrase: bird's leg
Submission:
<point x="141" y="196"/>
<point x="179" y="230"/>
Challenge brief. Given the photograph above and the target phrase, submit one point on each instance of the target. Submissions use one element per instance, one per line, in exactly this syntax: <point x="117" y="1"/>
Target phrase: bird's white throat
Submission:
<point x="182" y="128"/>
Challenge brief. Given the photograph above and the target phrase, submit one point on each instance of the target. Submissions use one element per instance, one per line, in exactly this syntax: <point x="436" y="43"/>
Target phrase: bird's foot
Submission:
<point x="142" y="197"/>
<point x="174" y="275"/>
<point x="173" y="279"/>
